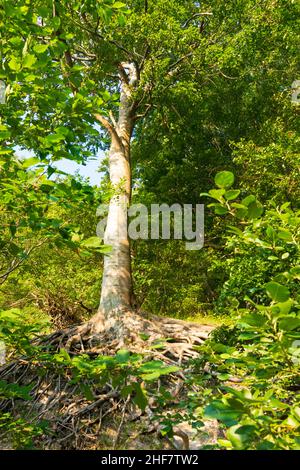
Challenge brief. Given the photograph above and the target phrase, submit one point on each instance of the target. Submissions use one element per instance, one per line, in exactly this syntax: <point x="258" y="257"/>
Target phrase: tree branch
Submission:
<point x="105" y="122"/>
<point x="123" y="74"/>
<point x="194" y="16"/>
<point x="142" y="115"/>
<point x="110" y="128"/>
<point x="94" y="32"/>
<point x="146" y="54"/>
<point x="67" y="53"/>
<point x="175" y="64"/>
<point x="16" y="263"/>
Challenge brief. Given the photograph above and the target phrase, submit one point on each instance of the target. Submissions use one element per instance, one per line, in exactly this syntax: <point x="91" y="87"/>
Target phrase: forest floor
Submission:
<point x="85" y="414"/>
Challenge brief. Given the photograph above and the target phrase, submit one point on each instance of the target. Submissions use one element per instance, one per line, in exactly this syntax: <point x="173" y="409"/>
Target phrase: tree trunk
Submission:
<point x="116" y="282"/>
<point x="116" y="292"/>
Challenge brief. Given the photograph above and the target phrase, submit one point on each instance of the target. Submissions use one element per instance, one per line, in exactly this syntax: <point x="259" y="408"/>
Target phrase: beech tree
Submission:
<point x="82" y="75"/>
<point x="106" y="63"/>
<point x="181" y="94"/>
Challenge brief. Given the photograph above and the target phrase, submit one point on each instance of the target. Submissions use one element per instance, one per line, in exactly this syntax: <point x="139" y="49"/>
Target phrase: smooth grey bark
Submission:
<point x="116" y="291"/>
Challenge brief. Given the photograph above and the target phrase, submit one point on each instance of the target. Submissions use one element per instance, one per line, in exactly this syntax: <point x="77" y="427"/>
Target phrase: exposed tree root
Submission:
<point x="77" y="422"/>
<point x="127" y="329"/>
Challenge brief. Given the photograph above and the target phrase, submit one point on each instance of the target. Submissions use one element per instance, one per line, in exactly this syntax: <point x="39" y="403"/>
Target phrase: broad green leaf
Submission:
<point x="255" y="210"/>
<point x="11" y="390"/>
<point x="123" y="355"/>
<point x="29" y="60"/>
<point x="92" y="242"/>
<point x="121" y="20"/>
<point x="105" y="249"/>
<point x="238" y="205"/>
<point x="87" y="391"/>
<point x="13" y="228"/>
<point x="295" y="272"/>
<point x="219" y="209"/>
<point x="235" y="230"/>
<point x="224" y="179"/>
<point x="28" y="162"/>
<point x="15" y="64"/>
<point x="282" y="308"/>
<point x="248" y="200"/>
<point x="154" y="369"/>
<point x="140" y="398"/>
<point x="292" y="421"/>
<point x="289" y="323"/>
<point x="118" y="5"/>
<point x="222" y="412"/>
<point x="127" y="390"/>
<point x="253" y="319"/>
<point x="144" y="336"/>
<point x="232" y="194"/>
<point x="54" y="138"/>
<point x="285" y="235"/>
<point x="277" y="292"/>
<point x="239" y="436"/>
<point x="217" y="194"/>
<point x="40" y="48"/>
<point x="15" y="249"/>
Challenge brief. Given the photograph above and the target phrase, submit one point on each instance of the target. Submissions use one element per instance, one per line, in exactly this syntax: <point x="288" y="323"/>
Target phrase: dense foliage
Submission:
<point x="216" y="125"/>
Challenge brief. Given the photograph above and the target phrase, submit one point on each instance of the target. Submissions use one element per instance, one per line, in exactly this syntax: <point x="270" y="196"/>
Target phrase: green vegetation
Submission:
<point x="208" y="119"/>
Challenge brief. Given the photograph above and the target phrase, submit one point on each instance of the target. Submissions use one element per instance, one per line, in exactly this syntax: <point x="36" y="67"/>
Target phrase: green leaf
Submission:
<point x="253" y="319"/>
<point x="40" y="48"/>
<point x="232" y="194"/>
<point x="144" y="336"/>
<point x="239" y="436"/>
<point x="277" y="292"/>
<point x="238" y="205"/>
<point x="296" y="412"/>
<point x="122" y="356"/>
<point x="219" y="410"/>
<point x="92" y="242"/>
<point x="255" y="210"/>
<point x="54" y="138"/>
<point x="289" y="323"/>
<point x="62" y="357"/>
<point x="140" y="398"/>
<point x="28" y="162"/>
<point x="154" y="369"/>
<point x="219" y="209"/>
<point x="285" y="235"/>
<point x="292" y="421"/>
<point x="224" y="179"/>
<point x="127" y="390"/>
<point x="248" y="200"/>
<point x="55" y="22"/>
<point x="217" y="194"/>
<point x="15" y="64"/>
<point x="282" y="308"/>
<point x="235" y="230"/>
<point x="295" y="272"/>
<point x="14" y="249"/>
<point x="29" y="60"/>
<point x="118" y="5"/>
<point x="87" y="391"/>
<point x="11" y="390"/>
<point x="121" y="20"/>
<point x="105" y="249"/>
<point x="248" y="336"/>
